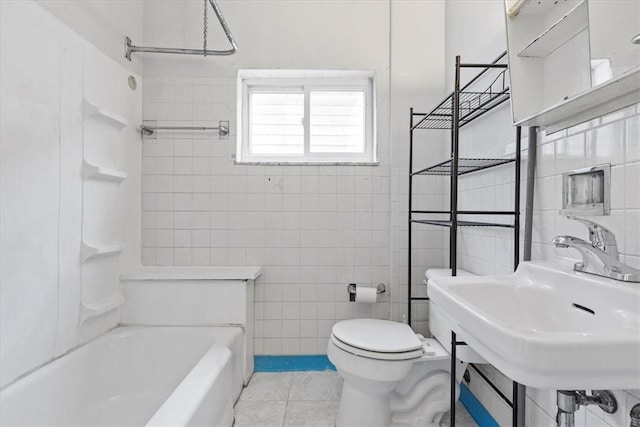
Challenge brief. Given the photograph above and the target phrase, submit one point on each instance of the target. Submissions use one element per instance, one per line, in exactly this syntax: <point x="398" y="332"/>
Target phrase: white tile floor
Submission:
<point x="300" y="399"/>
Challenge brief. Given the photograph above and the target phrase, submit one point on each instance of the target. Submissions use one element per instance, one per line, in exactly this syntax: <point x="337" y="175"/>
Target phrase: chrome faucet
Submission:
<point x="600" y="256"/>
<point x="600" y="236"/>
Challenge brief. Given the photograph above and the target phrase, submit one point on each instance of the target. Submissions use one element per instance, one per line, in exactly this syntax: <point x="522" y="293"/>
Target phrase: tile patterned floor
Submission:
<point x="299" y="399"/>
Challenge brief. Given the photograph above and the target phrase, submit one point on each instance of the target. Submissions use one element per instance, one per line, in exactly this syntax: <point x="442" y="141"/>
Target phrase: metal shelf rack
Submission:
<point x="471" y="104"/>
<point x="458" y="109"/>
<point x="465" y="166"/>
<point x="444" y="223"/>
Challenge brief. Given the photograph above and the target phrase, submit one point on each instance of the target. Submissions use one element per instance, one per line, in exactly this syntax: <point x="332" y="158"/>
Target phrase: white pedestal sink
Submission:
<point x="546" y="326"/>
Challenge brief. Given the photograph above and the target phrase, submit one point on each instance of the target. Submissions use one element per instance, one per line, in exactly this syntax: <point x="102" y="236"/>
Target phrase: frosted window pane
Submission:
<point x="337" y="122"/>
<point x="276" y="123"/>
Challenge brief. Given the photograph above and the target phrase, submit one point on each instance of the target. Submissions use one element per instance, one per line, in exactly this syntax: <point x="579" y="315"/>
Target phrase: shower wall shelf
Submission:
<point x="91" y="110"/>
<point x="99" y="307"/>
<point x="90" y="171"/>
<point x="460" y="108"/>
<point x="89" y="251"/>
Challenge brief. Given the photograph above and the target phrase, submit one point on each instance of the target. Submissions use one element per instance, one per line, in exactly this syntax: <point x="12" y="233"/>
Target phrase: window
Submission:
<point x="287" y="116"/>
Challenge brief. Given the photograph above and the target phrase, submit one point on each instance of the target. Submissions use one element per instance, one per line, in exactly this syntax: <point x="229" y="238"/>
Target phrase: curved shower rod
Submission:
<point x="130" y="48"/>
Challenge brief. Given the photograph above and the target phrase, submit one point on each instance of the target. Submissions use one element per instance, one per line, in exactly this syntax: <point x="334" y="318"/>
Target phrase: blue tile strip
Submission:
<point x="475" y="408"/>
<point x="292" y="363"/>
<point x="322" y="363"/>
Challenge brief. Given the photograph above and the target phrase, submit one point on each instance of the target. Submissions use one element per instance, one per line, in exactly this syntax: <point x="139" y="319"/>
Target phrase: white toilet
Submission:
<point x="392" y="376"/>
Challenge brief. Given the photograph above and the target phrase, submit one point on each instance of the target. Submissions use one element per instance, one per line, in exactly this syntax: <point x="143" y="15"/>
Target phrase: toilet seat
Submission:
<point x="406" y="355"/>
<point x="377" y="339"/>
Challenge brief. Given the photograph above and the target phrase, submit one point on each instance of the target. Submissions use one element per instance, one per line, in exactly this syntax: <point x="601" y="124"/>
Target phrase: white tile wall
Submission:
<point x="610" y="139"/>
<point x="313" y="228"/>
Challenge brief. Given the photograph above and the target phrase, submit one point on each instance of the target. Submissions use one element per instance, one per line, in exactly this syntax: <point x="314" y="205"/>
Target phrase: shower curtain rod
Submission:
<point x="130" y="48"/>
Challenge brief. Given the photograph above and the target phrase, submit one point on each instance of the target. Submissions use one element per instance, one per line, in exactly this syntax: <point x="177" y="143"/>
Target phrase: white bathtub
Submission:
<point x="159" y="376"/>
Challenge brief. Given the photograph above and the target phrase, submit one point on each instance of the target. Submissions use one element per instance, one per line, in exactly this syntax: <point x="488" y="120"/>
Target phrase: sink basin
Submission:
<point x="545" y="326"/>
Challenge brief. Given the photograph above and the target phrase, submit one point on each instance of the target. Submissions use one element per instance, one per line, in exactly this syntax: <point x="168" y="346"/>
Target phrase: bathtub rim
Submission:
<point x="105" y="333"/>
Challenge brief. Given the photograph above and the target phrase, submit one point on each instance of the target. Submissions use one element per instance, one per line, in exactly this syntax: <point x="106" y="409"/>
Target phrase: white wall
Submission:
<point x="417" y="81"/>
<point x="104" y="23"/>
<point x="45" y="72"/>
<point x="476" y="31"/>
<point x="313" y="228"/>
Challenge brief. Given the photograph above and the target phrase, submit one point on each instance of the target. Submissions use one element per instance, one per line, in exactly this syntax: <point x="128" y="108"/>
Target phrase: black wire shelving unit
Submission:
<point x="464" y="105"/>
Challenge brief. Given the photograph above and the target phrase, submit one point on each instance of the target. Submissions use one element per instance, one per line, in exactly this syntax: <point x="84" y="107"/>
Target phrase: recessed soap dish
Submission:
<point x="587" y="191"/>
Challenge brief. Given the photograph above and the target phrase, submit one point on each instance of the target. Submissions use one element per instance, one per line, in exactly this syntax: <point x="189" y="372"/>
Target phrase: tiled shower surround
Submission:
<point x="314" y="229"/>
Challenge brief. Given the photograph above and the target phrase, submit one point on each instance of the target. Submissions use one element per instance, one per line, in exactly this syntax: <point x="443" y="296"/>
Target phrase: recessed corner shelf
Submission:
<point x="90" y="171"/>
<point x="91" y="109"/>
<point x="558" y="34"/>
<point x="88" y="251"/>
<point x="102" y="306"/>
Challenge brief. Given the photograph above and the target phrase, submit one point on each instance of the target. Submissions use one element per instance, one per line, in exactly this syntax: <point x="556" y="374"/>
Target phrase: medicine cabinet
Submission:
<point x="572" y="60"/>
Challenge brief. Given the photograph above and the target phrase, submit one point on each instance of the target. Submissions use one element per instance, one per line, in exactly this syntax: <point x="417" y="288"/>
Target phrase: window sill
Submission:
<point x="282" y="163"/>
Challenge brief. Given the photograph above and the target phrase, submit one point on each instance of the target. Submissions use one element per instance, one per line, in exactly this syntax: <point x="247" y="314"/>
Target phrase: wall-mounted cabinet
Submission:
<point x="571" y="60"/>
<point x="553" y="37"/>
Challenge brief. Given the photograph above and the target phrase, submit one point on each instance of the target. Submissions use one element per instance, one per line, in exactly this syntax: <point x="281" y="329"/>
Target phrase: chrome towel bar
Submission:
<point x="222" y="128"/>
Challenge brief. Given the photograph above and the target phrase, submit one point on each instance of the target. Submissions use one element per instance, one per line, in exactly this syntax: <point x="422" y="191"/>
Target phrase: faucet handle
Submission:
<point x="600" y="236"/>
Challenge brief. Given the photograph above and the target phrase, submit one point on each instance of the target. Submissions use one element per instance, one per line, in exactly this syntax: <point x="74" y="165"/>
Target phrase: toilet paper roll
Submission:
<point x="366" y="295"/>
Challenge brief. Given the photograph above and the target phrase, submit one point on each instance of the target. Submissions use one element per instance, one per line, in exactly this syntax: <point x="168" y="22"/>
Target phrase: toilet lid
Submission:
<point x="380" y="336"/>
<point x="403" y="355"/>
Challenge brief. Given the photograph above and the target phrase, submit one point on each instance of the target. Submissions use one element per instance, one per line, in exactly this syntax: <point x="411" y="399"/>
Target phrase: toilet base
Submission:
<point x="382" y="390"/>
<point x="426" y="403"/>
<point x="358" y="409"/>
<point x="421" y="404"/>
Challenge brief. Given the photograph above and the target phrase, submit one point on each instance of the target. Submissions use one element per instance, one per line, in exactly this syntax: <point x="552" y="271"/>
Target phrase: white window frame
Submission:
<point x="304" y="81"/>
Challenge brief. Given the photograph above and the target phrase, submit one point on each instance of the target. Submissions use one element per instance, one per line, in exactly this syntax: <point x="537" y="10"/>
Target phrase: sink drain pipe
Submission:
<point x="569" y="401"/>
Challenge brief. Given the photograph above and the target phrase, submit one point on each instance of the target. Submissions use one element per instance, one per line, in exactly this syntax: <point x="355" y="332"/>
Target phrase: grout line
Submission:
<point x="286" y="406"/>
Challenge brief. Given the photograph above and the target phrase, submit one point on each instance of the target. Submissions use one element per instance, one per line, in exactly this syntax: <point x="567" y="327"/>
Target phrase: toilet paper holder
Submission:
<point x="351" y="288"/>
